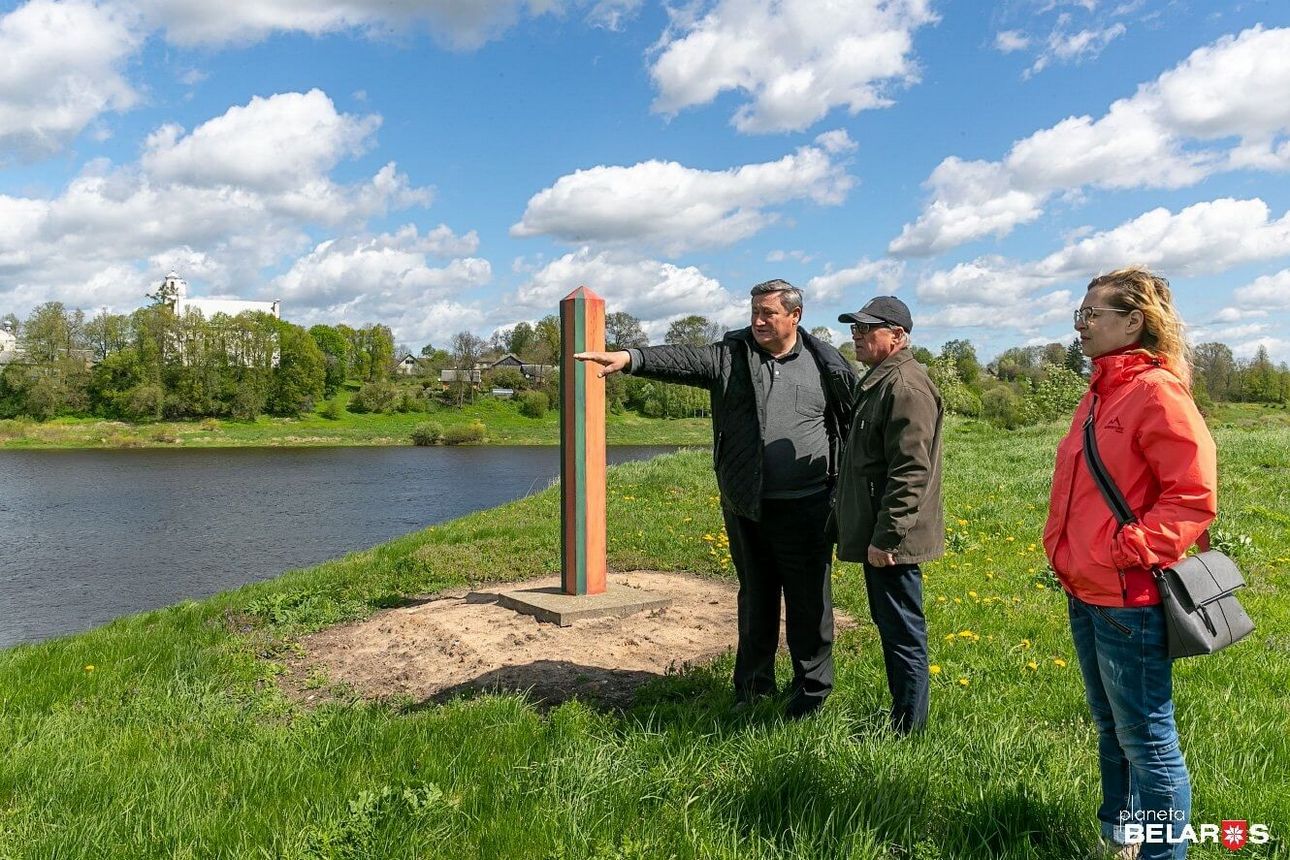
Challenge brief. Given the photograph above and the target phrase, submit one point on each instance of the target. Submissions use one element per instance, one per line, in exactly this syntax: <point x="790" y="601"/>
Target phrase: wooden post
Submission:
<point x="582" y="445"/>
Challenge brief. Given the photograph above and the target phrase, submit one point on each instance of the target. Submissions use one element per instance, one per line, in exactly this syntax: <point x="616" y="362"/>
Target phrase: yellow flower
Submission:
<point x="963" y="522"/>
<point x="1039" y="586"/>
<point x="973" y="595"/>
<point x="951" y="637"/>
<point x="958" y="600"/>
<point x="941" y="599"/>
<point x="966" y="634"/>
<point x="1011" y="538"/>
<point x="1025" y="644"/>
<point x="89" y="667"/>
<point x="934" y="669"/>
<point x="1032" y="548"/>
<point x="989" y="576"/>
<point x="1032" y="665"/>
<point x="1061" y="664"/>
<point x="963" y="682"/>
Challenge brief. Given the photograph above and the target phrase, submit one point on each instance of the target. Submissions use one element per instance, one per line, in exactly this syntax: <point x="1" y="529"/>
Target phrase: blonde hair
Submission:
<point x="1163" y="333"/>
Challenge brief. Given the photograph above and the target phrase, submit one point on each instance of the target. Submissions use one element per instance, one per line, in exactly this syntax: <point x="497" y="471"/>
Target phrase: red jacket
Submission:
<point x="1158" y="450"/>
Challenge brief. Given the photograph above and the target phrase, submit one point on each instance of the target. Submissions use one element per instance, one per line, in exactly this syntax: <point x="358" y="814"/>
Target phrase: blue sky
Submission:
<point x="439" y="165"/>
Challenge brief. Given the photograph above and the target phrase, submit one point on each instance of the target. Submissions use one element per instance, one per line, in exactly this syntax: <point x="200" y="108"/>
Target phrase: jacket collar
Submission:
<point x="1116" y="369"/>
<point x="882" y="370"/>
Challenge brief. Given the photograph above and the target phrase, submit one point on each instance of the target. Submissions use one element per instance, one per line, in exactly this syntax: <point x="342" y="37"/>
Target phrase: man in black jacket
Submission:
<point x="781" y="401"/>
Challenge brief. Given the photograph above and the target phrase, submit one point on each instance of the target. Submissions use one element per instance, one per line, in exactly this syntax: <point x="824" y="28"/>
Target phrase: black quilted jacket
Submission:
<point x="725" y="369"/>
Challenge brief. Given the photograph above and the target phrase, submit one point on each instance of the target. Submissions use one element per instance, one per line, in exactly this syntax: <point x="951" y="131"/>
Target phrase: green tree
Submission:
<point x="1075" y="359"/>
<point x="521" y="340"/>
<point x="299" y="378"/>
<point x="1260" y="381"/>
<point x="467" y="348"/>
<point x="623" y="331"/>
<point x="334" y="347"/>
<point x="51" y="332"/>
<point x="1214" y="363"/>
<point x="963" y="354"/>
<point x="824" y="333"/>
<point x="693" y="330"/>
<point x="107" y="333"/>
<point x="955" y="395"/>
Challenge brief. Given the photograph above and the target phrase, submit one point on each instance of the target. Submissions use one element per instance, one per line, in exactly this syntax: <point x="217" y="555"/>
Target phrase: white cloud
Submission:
<point x="795" y="60"/>
<point x="387" y="278"/>
<point x="668" y="205"/>
<point x="1269" y="292"/>
<point x="655" y="292"/>
<point x="1205" y="238"/>
<point x="456" y="23"/>
<point x="270" y="144"/>
<point x="1007" y="41"/>
<point x="1278" y="348"/>
<point x="1074" y="47"/>
<point x="883" y="275"/>
<point x="113" y="230"/>
<point x="1235" y="89"/>
<point x="60" y="68"/>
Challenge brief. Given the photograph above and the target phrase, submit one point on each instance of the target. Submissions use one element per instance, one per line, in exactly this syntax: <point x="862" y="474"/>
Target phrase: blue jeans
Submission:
<point x="1128" y="681"/>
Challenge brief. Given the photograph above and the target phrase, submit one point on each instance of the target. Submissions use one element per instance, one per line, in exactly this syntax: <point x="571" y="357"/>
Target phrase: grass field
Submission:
<point x="164" y="735"/>
<point x="502" y="421"/>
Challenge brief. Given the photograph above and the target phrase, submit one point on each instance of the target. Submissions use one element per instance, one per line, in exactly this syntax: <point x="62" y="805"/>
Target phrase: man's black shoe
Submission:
<point x="800" y="707"/>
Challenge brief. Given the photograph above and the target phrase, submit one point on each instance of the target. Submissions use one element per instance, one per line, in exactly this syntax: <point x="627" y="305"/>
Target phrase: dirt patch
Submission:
<point x="455" y="642"/>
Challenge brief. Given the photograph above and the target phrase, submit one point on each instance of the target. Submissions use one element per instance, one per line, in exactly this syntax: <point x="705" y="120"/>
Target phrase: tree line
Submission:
<point x="154" y="364"/>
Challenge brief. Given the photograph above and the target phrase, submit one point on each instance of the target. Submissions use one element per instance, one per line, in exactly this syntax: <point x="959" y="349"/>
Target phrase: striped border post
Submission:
<point x="582" y="445"/>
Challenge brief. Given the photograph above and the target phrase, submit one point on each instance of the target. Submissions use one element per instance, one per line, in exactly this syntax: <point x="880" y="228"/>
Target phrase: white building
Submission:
<point x="8" y="343"/>
<point x="174" y="291"/>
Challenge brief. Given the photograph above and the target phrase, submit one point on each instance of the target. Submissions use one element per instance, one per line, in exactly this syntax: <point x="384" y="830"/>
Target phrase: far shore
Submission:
<point x="503" y="425"/>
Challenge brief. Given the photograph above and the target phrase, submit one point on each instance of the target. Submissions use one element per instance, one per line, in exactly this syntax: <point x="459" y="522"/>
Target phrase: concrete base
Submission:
<point x="554" y="606"/>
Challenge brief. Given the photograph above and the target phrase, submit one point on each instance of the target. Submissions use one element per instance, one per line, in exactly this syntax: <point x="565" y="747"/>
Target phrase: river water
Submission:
<point x="86" y="536"/>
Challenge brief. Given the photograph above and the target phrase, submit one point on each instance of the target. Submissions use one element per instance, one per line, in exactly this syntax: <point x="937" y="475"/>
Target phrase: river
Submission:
<point x="87" y="536"/>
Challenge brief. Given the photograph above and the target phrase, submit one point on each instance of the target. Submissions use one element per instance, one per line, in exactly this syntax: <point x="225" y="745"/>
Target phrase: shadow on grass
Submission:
<point x="549" y="683"/>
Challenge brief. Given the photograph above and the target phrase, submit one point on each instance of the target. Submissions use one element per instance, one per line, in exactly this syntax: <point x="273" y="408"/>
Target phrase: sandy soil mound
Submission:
<point x="454" y="642"/>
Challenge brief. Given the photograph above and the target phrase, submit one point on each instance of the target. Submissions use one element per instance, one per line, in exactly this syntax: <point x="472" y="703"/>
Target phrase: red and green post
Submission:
<point x="582" y="445"/>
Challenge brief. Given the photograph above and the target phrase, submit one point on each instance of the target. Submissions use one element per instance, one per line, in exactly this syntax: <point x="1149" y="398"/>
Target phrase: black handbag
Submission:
<point x="1202" y="614"/>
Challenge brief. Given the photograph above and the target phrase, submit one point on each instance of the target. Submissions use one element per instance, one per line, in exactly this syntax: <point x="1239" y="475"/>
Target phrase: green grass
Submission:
<point x="504" y="426"/>
<point x="178" y="743"/>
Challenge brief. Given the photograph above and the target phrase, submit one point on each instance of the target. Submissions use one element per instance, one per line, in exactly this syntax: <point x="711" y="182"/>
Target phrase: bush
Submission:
<point x="379" y="396"/>
<point x="1002" y="407"/>
<point x="534" y="404"/>
<point x="1057" y="394"/>
<point x="143" y="403"/>
<point x="427" y="433"/>
<point x="464" y="433"/>
<point x="955" y="395"/>
<point x="410" y="402"/>
<point x="332" y="409"/>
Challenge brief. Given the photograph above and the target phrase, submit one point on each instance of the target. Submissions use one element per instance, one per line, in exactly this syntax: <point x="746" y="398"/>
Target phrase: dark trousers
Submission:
<point x="785" y="553"/>
<point x="896" y="604"/>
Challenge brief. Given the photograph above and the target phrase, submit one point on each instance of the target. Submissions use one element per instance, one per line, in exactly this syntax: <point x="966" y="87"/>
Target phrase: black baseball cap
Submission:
<point x="882" y="309"/>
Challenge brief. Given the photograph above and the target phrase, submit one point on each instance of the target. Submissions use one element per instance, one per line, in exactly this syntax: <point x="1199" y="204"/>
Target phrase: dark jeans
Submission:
<point x="896" y="604"/>
<point x="785" y="553"/>
<point x="1128" y="681"/>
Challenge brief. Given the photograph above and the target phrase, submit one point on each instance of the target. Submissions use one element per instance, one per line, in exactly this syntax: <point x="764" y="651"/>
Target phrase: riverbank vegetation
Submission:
<point x="166" y="735"/>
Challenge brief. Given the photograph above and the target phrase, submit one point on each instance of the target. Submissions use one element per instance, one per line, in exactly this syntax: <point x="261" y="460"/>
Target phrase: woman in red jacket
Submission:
<point x="1157" y="449"/>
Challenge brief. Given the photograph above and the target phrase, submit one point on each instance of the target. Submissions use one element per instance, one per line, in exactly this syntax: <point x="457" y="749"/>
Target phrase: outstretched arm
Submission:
<point x="610" y="362"/>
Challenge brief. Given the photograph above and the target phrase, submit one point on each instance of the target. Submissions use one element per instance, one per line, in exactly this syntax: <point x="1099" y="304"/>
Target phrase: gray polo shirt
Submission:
<point x="795" y="443"/>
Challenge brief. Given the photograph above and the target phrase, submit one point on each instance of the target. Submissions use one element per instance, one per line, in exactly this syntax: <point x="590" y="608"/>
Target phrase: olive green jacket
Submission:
<point x="889" y="481"/>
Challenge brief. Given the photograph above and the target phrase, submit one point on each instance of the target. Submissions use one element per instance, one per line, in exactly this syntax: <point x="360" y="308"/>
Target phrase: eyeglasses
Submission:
<point x="865" y="328"/>
<point x="1083" y="315"/>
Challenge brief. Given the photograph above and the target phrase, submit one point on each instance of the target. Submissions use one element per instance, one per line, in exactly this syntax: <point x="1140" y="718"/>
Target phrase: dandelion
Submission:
<point x="963" y="682"/>
<point x="973" y="595"/>
<point x="1039" y="586"/>
<point x="963" y="522"/>
<point x="951" y="637"/>
<point x="958" y="600"/>
<point x="934" y="669"/>
<point x="1061" y="664"/>
<point x="1032" y="666"/>
<point x="941" y="599"/>
<point x="1011" y="538"/>
<point x="966" y="634"/>
<point x="989" y="576"/>
<point x="1025" y="644"/>
<point x="1032" y="548"/>
<point x="89" y="667"/>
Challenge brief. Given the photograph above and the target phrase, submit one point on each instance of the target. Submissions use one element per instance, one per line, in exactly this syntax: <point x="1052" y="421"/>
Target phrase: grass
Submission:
<point x="177" y="743"/>
<point x="502" y="420"/>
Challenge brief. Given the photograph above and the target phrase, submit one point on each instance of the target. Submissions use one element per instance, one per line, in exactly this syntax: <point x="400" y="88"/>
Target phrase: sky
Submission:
<point x="449" y="165"/>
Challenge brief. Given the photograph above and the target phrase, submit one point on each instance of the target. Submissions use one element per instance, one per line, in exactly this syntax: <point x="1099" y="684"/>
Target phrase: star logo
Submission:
<point x="1234" y="834"/>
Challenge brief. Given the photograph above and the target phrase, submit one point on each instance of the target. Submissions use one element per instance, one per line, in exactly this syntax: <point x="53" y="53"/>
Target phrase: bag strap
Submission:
<point x="1105" y="483"/>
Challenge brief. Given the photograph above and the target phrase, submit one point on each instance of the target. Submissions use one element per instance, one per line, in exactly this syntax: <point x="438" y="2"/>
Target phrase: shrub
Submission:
<point x="464" y="433"/>
<point x="1057" y="394"/>
<point x="379" y="396"/>
<point x="955" y="395"/>
<point x="534" y="404"/>
<point x="1003" y="408"/>
<point x="143" y="403"/>
<point x="332" y="409"/>
<point x="409" y="402"/>
<point x="427" y="433"/>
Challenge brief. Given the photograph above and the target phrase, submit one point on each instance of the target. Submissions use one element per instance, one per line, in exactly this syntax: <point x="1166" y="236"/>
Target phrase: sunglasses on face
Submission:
<point x="1083" y="315"/>
<point x="865" y="328"/>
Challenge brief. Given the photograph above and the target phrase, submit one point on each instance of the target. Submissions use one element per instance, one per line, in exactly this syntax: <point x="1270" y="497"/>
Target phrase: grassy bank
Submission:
<point x="164" y="735"/>
<point x="502" y="421"/>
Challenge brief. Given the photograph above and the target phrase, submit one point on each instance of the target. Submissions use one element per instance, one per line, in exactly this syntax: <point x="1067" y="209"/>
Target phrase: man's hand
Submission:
<point x="880" y="557"/>
<point x="610" y="362"/>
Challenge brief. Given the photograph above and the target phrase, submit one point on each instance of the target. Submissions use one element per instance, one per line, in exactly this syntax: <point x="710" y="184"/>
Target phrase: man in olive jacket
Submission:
<point x="781" y="399"/>
<point x="888" y="505"/>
